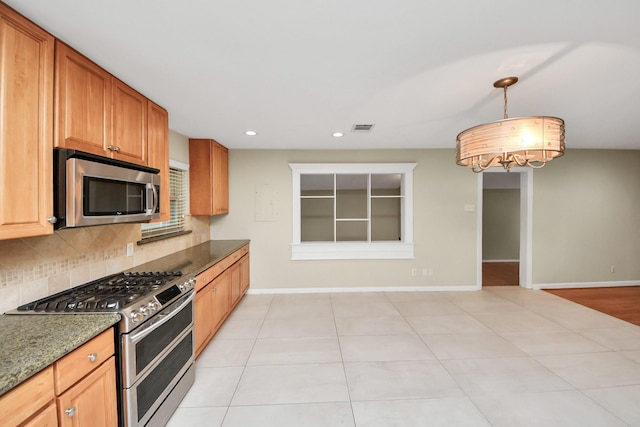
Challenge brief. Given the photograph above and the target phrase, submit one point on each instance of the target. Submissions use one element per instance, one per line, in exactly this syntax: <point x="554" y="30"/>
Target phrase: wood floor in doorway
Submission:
<point x="500" y="273"/>
<point x="622" y="302"/>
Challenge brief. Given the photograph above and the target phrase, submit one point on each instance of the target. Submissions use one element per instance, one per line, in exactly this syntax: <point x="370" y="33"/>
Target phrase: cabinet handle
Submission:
<point x="93" y="357"/>
<point x="70" y="412"/>
<point x="113" y="148"/>
<point x="214" y="289"/>
<point x="52" y="219"/>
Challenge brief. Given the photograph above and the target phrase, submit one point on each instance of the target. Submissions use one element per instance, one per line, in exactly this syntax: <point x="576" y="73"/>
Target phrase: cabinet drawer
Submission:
<point x="48" y="417"/>
<point x="27" y="398"/>
<point x="81" y="361"/>
<point x="211" y="273"/>
<point x="238" y="254"/>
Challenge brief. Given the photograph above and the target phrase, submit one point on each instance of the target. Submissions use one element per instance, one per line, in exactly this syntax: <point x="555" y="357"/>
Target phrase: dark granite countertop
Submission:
<point x="195" y="259"/>
<point x="31" y="342"/>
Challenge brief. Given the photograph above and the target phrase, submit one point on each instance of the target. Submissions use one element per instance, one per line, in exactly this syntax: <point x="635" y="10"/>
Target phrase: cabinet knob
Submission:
<point x="70" y="412"/>
<point x="93" y="357"/>
<point x="52" y="219"/>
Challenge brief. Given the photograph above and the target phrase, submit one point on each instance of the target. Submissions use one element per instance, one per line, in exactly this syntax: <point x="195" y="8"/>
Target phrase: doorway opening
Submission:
<point x="504" y="227"/>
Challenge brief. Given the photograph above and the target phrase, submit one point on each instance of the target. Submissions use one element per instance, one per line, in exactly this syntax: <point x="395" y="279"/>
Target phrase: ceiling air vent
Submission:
<point x="362" y="128"/>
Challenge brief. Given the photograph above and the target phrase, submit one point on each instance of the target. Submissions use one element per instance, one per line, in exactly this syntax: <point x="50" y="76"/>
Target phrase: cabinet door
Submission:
<point x="158" y="148"/>
<point x="222" y="286"/>
<point x="26" y="127"/>
<point x="220" y="180"/>
<point x="203" y="317"/>
<point x="129" y="124"/>
<point x="244" y="274"/>
<point x="236" y="284"/>
<point x="92" y="401"/>
<point x="82" y="103"/>
<point x="208" y="177"/>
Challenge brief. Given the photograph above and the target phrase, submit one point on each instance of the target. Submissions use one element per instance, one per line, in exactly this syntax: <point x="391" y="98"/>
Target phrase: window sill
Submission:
<point x="162" y="237"/>
<point x="351" y="250"/>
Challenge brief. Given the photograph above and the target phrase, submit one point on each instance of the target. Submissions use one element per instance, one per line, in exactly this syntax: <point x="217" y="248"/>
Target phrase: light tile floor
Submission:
<point x="503" y="356"/>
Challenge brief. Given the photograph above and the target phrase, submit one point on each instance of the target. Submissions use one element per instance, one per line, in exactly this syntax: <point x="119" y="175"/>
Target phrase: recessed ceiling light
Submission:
<point x="251" y="132"/>
<point x="338" y="134"/>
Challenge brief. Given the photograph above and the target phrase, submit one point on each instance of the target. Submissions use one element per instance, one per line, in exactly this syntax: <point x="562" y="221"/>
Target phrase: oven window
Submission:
<point x="154" y="343"/>
<point x="158" y="380"/>
<point x="112" y="197"/>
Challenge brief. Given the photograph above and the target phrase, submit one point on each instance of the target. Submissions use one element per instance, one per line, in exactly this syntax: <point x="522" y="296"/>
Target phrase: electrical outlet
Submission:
<point x="414" y="271"/>
<point x="130" y="249"/>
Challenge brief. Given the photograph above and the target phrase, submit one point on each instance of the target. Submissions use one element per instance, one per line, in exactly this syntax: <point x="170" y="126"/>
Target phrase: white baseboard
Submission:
<point x="572" y="285"/>
<point x="254" y="291"/>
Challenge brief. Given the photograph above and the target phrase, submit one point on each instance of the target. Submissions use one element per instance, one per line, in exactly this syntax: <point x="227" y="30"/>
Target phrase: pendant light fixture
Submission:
<point x="520" y="141"/>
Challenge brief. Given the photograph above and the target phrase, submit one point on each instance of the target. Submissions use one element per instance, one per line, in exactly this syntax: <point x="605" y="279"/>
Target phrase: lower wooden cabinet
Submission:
<point x="92" y="401"/>
<point x="222" y="305"/>
<point x="219" y="289"/>
<point x="212" y="306"/>
<point x="244" y="274"/>
<point x="239" y="279"/>
<point x="203" y="317"/>
<point x="78" y="390"/>
<point x="27" y="400"/>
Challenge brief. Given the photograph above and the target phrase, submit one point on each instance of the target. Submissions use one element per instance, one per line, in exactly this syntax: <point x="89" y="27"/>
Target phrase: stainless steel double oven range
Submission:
<point x="155" y="340"/>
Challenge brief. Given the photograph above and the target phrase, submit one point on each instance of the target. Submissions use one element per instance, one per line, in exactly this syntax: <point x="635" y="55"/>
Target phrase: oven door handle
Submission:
<point x="162" y="319"/>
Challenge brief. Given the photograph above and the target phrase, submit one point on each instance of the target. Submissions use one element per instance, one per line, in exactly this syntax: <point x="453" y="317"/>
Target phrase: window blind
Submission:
<point x="178" y="192"/>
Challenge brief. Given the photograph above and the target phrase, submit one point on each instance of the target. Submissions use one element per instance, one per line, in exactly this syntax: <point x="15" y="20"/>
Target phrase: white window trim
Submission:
<point x="353" y="250"/>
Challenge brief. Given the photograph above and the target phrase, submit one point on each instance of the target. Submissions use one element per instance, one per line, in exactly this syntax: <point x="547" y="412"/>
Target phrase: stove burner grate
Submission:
<point x="110" y="293"/>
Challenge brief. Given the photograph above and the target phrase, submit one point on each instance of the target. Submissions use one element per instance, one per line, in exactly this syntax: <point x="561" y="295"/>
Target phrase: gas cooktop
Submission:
<point x="137" y="296"/>
<point x="111" y="293"/>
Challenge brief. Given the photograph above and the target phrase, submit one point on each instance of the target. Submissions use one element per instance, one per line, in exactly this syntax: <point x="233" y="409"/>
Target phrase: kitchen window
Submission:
<point x="179" y="205"/>
<point x="352" y="210"/>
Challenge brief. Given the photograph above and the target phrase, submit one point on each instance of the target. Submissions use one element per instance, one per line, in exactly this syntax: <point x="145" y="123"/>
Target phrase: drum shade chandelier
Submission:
<point x="521" y="141"/>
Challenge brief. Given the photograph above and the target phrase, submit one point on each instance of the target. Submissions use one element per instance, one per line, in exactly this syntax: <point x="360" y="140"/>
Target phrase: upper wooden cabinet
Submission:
<point x="95" y="112"/>
<point x="208" y="177"/>
<point x="82" y="102"/>
<point x="26" y="127"/>
<point x="158" y="149"/>
<point x="128" y="124"/>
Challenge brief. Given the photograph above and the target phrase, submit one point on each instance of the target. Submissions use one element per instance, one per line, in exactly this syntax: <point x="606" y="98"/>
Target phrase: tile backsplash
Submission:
<point x="35" y="267"/>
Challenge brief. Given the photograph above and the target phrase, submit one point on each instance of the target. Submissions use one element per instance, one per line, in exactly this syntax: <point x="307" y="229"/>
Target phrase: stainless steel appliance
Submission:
<point x="93" y="190"/>
<point x="155" y="339"/>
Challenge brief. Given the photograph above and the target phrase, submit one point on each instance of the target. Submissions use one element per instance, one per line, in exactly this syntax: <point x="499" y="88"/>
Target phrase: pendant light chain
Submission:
<point x="505" y="102"/>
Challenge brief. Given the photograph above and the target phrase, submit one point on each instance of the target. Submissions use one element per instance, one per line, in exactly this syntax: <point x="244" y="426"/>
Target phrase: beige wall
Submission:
<point x="500" y="224"/>
<point x="444" y="234"/>
<point x="586" y="218"/>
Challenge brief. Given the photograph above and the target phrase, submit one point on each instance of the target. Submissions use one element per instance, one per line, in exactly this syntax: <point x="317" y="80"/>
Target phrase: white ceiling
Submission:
<point x="422" y="71"/>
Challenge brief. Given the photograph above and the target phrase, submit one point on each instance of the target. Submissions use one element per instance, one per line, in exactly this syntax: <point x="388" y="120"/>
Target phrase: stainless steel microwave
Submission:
<point x="93" y="190"/>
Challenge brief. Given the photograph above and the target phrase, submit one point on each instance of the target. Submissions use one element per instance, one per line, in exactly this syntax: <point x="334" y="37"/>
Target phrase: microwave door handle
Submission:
<point x="154" y="192"/>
